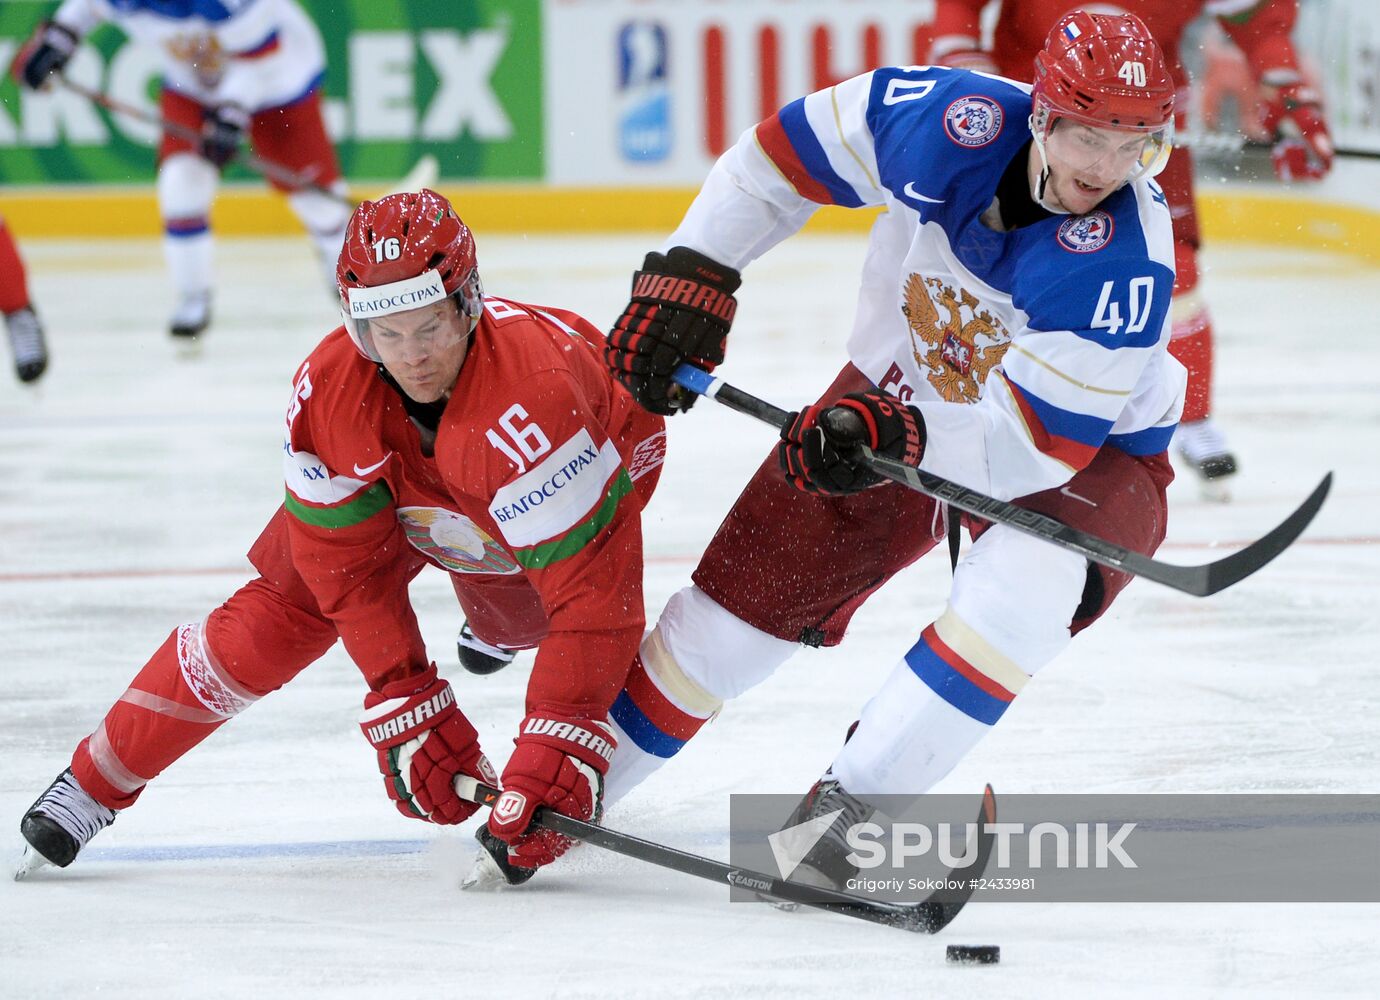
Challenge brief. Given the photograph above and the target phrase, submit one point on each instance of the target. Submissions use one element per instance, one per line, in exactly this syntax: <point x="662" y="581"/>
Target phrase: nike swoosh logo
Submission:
<point x="910" y="192"/>
<point x="1069" y="493"/>
<point x="372" y="468"/>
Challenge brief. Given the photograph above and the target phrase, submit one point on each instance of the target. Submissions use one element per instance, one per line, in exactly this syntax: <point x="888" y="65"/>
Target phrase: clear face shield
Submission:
<point x="1113" y="156"/>
<point x="379" y="317"/>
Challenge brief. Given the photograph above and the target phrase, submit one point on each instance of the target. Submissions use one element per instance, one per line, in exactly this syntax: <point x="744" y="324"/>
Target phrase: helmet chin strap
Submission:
<point x="1042" y="179"/>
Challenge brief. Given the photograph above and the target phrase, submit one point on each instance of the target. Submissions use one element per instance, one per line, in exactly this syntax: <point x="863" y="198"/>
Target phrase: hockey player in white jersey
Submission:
<point x="1010" y="335"/>
<point x="230" y="68"/>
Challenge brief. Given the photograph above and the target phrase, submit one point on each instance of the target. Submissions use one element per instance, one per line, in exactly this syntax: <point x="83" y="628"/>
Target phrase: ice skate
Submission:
<point x="191" y="317"/>
<point x="491" y="869"/>
<point x="27" y="344"/>
<point x="824" y="861"/>
<point x="477" y="656"/>
<point x="1201" y="444"/>
<point x="60" y="824"/>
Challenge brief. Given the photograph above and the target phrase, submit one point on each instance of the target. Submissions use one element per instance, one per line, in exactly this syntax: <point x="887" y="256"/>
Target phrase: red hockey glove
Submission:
<point x="559" y="762"/>
<point x="46" y="52"/>
<point x="222" y="131"/>
<point x="1303" y="147"/>
<point x="819" y="448"/>
<point x="424" y="742"/>
<point x="681" y="308"/>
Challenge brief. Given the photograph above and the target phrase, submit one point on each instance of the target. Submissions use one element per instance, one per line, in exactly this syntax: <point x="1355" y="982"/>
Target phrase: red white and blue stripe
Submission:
<point x="650" y="718"/>
<point x="957" y="680"/>
<point x="1067" y="436"/>
<point x="792" y="146"/>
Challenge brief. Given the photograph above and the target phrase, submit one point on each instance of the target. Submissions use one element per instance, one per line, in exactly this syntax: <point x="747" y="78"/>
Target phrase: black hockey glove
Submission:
<point x="46" y="52"/>
<point x="819" y="448"/>
<point x="222" y="131"/>
<point x="681" y="308"/>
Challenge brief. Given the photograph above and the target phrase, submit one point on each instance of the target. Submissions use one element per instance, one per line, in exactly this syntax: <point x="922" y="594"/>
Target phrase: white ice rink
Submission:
<point x="269" y="864"/>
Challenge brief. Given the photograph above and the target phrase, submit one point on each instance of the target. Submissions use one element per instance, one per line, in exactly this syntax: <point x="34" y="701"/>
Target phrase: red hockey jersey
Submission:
<point x="541" y="466"/>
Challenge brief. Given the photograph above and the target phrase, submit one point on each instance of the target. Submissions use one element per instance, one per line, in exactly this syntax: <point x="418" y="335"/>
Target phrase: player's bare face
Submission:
<point x="423" y="349"/>
<point x="1087" y="164"/>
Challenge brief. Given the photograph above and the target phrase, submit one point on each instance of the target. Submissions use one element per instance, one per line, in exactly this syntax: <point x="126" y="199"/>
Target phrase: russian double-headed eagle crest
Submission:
<point x="957" y="351"/>
<point x="203" y="55"/>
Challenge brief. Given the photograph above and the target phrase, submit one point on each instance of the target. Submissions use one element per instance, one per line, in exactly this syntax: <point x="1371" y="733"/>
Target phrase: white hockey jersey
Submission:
<point x="1026" y="350"/>
<point x="258" y="54"/>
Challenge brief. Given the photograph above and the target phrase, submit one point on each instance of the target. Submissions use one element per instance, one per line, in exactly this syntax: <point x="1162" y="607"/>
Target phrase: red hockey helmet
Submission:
<point x="403" y="252"/>
<point x="1106" y="71"/>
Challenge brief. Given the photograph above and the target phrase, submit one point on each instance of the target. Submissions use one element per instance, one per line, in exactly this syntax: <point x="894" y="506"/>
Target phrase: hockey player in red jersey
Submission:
<point x="27" y="343"/>
<point x="438" y="426"/>
<point x="232" y="71"/>
<point x="1303" y="151"/>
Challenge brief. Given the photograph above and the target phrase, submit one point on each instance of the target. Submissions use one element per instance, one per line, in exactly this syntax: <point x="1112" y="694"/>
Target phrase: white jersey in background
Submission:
<point x="257" y="54"/>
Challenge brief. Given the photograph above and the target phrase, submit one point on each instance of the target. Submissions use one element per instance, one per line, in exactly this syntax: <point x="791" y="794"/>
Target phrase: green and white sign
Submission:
<point x="404" y="77"/>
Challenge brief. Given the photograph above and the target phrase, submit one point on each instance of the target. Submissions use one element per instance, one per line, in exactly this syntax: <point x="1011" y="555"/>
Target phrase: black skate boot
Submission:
<point x="1202" y="446"/>
<point x="191" y="317"/>
<point x="60" y="824"/>
<point x="477" y="656"/>
<point x="826" y="863"/>
<point x="492" y="868"/>
<point x="27" y="343"/>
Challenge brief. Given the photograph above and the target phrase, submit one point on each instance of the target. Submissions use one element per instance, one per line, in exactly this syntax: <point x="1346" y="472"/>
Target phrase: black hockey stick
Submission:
<point x="1200" y="581"/>
<point x="423" y="173"/>
<point x="929" y="916"/>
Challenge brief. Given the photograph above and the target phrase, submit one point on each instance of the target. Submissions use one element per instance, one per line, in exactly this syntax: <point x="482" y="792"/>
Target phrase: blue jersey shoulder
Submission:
<point x="1103" y="275"/>
<point x="182" y="10"/>
<point x="945" y="134"/>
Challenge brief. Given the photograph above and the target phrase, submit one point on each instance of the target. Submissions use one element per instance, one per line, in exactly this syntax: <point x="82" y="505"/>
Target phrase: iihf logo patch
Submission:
<point x="973" y="121"/>
<point x="1086" y="233"/>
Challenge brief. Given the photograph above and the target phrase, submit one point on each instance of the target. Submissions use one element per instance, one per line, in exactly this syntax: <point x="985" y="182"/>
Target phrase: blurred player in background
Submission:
<point x="1293" y="118"/>
<point x="438" y="426"/>
<point x="229" y="69"/>
<point x="27" y="344"/>
<point x="1011" y="335"/>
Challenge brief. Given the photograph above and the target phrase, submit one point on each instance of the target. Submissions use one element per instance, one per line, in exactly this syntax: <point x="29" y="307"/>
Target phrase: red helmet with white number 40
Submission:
<point x="1103" y="78"/>
<point x="403" y="252"/>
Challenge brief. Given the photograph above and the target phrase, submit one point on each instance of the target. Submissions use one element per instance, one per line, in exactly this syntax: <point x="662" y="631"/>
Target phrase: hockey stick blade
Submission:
<point x="267" y="168"/>
<point x="424" y="174"/>
<point x="1200" y="581"/>
<point x="928" y="916"/>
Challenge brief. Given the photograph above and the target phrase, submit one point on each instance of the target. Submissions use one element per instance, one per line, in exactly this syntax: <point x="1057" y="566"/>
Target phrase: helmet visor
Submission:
<point x="361" y="306"/>
<point x="1115" y="154"/>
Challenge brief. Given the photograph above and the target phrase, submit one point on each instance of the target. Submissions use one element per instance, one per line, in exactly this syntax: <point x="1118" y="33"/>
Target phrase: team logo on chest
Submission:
<point x="1086" y="233"/>
<point x="454" y="541"/>
<point x="973" y="121"/>
<point x="202" y="54"/>
<point x="955" y="351"/>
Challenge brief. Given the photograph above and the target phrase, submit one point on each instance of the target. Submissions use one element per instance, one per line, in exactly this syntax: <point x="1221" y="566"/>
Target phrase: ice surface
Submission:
<point x="269" y="863"/>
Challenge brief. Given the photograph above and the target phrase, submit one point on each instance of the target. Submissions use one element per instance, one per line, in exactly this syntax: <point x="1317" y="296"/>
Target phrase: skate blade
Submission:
<point x="484" y="876"/>
<point x="29" y="862"/>
<point x="1214" y="490"/>
<point x="189" y="348"/>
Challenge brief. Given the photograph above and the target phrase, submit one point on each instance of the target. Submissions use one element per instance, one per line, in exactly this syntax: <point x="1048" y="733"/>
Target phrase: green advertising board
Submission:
<point x="461" y="80"/>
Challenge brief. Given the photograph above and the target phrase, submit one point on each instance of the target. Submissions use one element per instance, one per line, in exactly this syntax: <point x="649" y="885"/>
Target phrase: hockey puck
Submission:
<point x="972" y="954"/>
